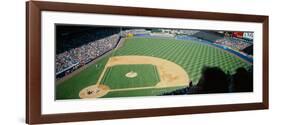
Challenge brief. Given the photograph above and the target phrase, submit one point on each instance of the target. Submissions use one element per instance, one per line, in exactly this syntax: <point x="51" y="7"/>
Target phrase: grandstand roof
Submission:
<point x="208" y="35"/>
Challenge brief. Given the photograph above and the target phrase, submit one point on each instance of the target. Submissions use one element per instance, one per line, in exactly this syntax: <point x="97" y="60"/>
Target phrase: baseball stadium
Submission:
<point x="105" y="62"/>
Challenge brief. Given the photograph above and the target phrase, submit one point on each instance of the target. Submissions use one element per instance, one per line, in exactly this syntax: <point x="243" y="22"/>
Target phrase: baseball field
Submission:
<point x="147" y="67"/>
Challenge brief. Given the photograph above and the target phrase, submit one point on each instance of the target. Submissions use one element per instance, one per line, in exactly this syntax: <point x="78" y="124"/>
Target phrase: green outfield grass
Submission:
<point x="190" y="55"/>
<point x="115" y="78"/>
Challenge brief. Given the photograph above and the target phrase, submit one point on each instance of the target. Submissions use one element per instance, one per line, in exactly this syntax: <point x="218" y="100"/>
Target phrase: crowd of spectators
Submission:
<point x="234" y="43"/>
<point x="216" y="38"/>
<point x="75" y="37"/>
<point x="79" y="56"/>
<point x="214" y="80"/>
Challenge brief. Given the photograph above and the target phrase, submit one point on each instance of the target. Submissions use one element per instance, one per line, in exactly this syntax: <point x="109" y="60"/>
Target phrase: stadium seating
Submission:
<point x="234" y="43"/>
<point x="93" y="45"/>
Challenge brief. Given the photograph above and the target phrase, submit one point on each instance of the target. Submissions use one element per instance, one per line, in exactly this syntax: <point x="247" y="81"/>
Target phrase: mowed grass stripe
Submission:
<point x="105" y="77"/>
<point x="156" y="72"/>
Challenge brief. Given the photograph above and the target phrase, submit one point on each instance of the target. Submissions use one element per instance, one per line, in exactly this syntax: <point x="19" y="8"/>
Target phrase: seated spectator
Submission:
<point x="213" y="80"/>
<point x="243" y="80"/>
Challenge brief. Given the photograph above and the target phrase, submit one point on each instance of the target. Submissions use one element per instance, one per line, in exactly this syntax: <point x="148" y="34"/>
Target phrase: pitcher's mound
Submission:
<point x="131" y="74"/>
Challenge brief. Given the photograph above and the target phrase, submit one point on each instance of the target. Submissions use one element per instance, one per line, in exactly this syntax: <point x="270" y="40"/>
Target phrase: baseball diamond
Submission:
<point x="146" y="66"/>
